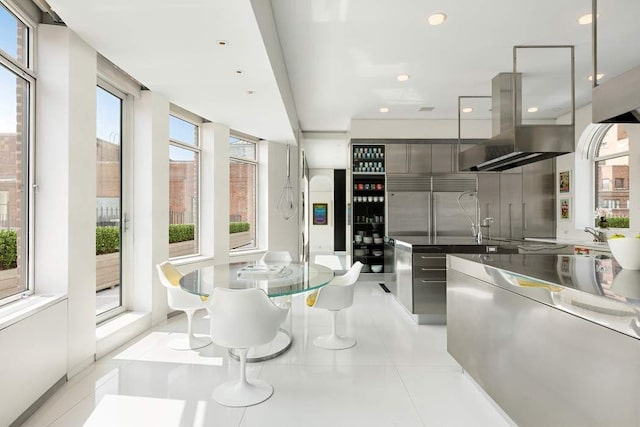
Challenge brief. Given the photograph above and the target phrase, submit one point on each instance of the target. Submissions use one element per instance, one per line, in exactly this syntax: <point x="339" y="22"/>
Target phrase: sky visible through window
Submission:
<point x="8" y="32"/>
<point x="183" y="131"/>
<point x="8" y="43"/>
<point x="107" y="116"/>
<point x="7" y="101"/>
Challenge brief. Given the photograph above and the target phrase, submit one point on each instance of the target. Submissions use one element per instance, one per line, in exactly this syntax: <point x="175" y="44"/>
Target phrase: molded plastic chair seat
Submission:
<point x="184" y="301"/>
<point x="335" y="296"/>
<point x="276" y="257"/>
<point x="241" y="319"/>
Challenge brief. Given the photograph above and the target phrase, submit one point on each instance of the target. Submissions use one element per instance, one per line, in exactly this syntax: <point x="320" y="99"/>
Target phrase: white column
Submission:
<point x="66" y="175"/>
<point x="634" y="178"/>
<point x="282" y="234"/>
<point x="220" y="190"/>
<point x="150" y="203"/>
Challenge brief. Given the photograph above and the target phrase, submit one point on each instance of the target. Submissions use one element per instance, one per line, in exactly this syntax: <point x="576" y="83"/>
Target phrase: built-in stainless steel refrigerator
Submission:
<point x="427" y="205"/>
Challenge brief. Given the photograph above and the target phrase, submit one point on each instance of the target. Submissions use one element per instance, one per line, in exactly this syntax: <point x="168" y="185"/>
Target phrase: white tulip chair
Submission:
<point x="242" y="319"/>
<point x="276" y="257"/>
<point x="335" y="296"/>
<point x="179" y="299"/>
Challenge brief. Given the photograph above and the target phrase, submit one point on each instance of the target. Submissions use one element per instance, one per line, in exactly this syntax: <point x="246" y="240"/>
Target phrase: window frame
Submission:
<point x="191" y="118"/>
<point x="597" y="143"/>
<point x="30" y="186"/>
<point x="31" y="27"/>
<point x="256" y="162"/>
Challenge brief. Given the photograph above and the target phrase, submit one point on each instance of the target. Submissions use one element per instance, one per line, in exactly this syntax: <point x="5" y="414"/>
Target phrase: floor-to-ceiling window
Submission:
<point x="16" y="123"/>
<point x="612" y="177"/>
<point x="110" y="216"/>
<point x="184" y="187"/>
<point x="243" y="192"/>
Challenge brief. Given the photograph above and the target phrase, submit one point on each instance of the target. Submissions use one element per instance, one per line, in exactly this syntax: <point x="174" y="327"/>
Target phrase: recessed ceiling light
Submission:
<point x="599" y="76"/>
<point x="437" y="18"/>
<point x="532" y="109"/>
<point x="403" y="77"/>
<point x="384" y="110"/>
<point x="586" y="19"/>
<point x="467" y="109"/>
<point x="250" y="92"/>
<point x="222" y="43"/>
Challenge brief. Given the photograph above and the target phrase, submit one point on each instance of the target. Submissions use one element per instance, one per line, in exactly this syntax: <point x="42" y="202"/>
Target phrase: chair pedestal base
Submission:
<point x="334" y="342"/>
<point x="237" y="393"/>
<point x="280" y="344"/>
<point x="186" y="343"/>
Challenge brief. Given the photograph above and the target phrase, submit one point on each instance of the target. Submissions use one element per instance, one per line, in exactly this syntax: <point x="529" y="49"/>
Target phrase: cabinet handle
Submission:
<point x="524" y="216"/>
<point x="510" y="222"/>
<point x="435" y="216"/>
<point x="432" y="281"/>
<point x="432" y="257"/>
<point x="433" y="269"/>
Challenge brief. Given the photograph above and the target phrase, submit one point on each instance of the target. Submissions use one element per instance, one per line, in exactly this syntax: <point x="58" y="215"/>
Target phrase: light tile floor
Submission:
<point x="399" y="374"/>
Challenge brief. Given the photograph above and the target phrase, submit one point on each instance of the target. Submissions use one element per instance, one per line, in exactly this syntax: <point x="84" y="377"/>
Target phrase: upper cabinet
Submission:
<point x="442" y="158"/>
<point x="420" y="160"/>
<point x="396" y="158"/>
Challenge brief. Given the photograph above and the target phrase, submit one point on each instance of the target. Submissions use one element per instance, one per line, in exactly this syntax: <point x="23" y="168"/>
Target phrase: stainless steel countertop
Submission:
<point x="454" y="244"/>
<point x="594" y="288"/>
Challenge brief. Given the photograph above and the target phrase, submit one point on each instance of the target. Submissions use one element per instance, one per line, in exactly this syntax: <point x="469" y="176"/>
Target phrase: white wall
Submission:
<point x="33" y="358"/>
<point x="321" y="191"/>
<point x="283" y="235"/>
<point x="65" y="201"/>
<point x="150" y="219"/>
<point x="405" y="129"/>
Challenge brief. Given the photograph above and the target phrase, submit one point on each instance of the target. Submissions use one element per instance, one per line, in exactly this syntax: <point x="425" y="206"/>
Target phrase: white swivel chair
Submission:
<point x="184" y="301"/>
<point x="276" y="257"/>
<point x="241" y="319"/>
<point x="335" y="296"/>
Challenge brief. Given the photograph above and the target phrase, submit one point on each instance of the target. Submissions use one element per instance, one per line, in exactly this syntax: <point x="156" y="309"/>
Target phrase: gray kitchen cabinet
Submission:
<point x="489" y="201"/>
<point x="538" y="204"/>
<point x="396" y="158"/>
<point x="442" y="158"/>
<point x="511" y="205"/>
<point x="420" y="158"/>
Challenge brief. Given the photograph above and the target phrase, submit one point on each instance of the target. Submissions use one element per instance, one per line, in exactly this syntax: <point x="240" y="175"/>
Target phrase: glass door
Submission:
<point x="109" y="212"/>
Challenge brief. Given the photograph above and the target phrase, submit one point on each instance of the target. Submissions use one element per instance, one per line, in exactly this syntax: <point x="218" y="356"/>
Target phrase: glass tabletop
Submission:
<point x="276" y="279"/>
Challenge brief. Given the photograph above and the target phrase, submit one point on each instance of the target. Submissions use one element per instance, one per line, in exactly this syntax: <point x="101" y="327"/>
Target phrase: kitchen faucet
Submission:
<point x="476" y="230"/>
<point x="598" y="236"/>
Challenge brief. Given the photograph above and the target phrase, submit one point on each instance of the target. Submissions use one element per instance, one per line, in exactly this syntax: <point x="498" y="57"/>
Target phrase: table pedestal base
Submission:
<point x="275" y="348"/>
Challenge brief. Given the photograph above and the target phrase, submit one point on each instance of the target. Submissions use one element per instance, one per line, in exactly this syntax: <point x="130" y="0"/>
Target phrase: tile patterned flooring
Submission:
<point x="399" y="374"/>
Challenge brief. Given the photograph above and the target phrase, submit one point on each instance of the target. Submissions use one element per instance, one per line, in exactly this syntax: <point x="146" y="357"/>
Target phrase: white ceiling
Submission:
<point x="171" y="47"/>
<point x="342" y="56"/>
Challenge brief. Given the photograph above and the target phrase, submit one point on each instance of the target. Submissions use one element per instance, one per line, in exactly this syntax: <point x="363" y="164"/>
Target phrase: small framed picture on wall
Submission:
<point x="320" y="214"/>
<point x="565" y="209"/>
<point x="565" y="182"/>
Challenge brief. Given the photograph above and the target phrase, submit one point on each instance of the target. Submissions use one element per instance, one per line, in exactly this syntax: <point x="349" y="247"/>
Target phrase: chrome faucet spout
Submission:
<point x="598" y="236"/>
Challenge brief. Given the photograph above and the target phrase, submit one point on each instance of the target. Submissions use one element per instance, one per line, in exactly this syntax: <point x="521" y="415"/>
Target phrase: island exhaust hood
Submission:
<point x="617" y="100"/>
<point x="515" y="144"/>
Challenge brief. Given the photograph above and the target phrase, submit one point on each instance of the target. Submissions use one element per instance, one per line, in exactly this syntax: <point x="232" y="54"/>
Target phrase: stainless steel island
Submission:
<point x="553" y="339"/>
<point x="419" y="278"/>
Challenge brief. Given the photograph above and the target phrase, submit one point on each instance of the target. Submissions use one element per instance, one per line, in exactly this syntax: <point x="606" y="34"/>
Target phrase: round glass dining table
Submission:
<point x="277" y="280"/>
